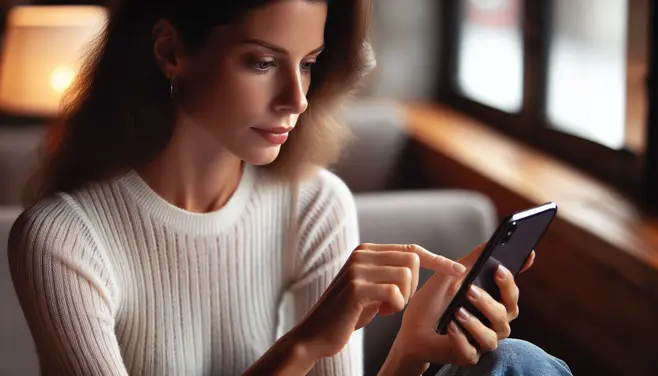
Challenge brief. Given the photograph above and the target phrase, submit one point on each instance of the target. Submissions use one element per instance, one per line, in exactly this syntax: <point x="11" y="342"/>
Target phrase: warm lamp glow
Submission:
<point x="42" y="52"/>
<point x="61" y="78"/>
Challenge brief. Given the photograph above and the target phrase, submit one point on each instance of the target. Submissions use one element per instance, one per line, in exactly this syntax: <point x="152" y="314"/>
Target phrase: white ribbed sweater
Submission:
<point x="114" y="280"/>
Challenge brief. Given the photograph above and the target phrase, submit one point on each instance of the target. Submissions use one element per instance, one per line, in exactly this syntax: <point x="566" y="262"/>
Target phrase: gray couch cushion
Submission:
<point x="446" y="222"/>
<point x="17" y="352"/>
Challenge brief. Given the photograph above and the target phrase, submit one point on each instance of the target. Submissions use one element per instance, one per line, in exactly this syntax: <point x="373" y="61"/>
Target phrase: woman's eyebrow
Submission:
<point x="276" y="48"/>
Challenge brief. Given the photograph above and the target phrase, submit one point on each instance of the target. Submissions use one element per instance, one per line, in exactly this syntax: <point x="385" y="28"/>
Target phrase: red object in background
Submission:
<point x="493" y="13"/>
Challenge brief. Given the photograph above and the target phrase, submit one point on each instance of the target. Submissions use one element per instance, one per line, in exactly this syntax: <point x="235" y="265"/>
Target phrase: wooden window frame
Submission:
<point x="633" y="173"/>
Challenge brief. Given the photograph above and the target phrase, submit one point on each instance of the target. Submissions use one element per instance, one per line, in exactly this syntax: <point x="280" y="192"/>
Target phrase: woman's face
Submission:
<point x="247" y="86"/>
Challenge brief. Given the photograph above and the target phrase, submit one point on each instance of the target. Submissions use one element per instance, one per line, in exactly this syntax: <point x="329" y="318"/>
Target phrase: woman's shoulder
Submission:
<point x="49" y="209"/>
<point x="324" y="189"/>
<point x="323" y="181"/>
<point x="51" y="221"/>
<point x="51" y="243"/>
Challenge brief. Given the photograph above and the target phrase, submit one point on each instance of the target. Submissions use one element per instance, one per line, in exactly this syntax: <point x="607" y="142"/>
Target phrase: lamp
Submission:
<point x="42" y="52"/>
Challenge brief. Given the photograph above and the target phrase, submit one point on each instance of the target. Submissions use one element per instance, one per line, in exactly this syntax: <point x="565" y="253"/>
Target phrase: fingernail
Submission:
<point x="473" y="293"/>
<point x="462" y="314"/>
<point x="453" y="328"/>
<point x="502" y="273"/>
<point x="459" y="268"/>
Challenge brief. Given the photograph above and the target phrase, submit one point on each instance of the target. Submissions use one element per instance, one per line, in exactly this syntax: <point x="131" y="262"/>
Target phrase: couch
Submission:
<point x="17" y="356"/>
<point x="447" y="222"/>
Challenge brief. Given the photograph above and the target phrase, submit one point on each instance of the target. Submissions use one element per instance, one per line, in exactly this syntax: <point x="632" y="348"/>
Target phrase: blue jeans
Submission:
<point x="513" y="357"/>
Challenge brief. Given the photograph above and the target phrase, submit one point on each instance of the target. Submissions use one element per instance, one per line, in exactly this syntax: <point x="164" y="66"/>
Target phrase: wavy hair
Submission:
<point x="118" y="114"/>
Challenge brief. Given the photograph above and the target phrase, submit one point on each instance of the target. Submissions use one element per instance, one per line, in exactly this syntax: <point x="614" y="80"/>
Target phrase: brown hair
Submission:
<point x="118" y="113"/>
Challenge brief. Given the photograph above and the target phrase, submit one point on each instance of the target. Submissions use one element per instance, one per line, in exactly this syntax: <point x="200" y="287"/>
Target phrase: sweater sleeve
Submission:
<point x="65" y="291"/>
<point x="328" y="232"/>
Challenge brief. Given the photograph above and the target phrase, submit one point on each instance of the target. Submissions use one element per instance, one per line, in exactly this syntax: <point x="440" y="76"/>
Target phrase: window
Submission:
<point x="587" y="70"/>
<point x="491" y="53"/>
<point x="568" y="76"/>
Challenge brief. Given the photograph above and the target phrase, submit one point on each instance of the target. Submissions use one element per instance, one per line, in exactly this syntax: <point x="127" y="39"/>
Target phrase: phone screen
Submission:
<point x="510" y="246"/>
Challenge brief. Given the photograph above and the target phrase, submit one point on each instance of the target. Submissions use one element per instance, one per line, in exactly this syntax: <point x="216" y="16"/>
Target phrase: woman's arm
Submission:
<point x="398" y="363"/>
<point x="328" y="233"/>
<point x="62" y="289"/>
<point x="339" y="287"/>
<point x="325" y="235"/>
<point x="287" y="357"/>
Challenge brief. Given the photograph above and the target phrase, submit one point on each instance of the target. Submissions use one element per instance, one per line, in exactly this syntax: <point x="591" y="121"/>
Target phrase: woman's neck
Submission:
<point x="193" y="173"/>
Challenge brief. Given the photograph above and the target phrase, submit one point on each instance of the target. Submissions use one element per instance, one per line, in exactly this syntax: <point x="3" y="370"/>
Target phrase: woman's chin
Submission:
<point x="262" y="157"/>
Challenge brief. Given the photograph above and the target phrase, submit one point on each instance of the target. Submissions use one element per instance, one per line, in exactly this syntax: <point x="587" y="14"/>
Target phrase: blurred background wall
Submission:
<point x="405" y="35"/>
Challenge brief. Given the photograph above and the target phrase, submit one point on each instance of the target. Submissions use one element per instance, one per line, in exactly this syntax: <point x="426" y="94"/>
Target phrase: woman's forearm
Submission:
<point x="288" y="356"/>
<point x="397" y="364"/>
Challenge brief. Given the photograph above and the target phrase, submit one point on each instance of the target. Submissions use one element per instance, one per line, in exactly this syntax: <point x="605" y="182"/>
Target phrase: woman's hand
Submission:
<point x="418" y="344"/>
<point x="376" y="278"/>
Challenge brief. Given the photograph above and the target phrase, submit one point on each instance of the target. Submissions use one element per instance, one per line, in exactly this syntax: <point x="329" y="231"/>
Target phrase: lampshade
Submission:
<point x="42" y="52"/>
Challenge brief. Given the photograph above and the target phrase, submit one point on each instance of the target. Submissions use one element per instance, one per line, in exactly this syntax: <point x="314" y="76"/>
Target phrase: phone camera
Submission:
<point x="509" y="233"/>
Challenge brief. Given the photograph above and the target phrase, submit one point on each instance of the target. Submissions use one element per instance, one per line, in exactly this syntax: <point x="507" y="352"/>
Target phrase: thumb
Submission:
<point x="431" y="300"/>
<point x="469" y="260"/>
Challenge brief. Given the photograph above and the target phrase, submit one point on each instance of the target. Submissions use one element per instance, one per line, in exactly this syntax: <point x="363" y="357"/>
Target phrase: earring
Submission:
<point x="171" y="88"/>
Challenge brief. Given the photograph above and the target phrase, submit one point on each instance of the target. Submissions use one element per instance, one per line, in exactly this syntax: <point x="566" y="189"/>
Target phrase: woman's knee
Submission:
<point x="518" y="357"/>
<point x="513" y="357"/>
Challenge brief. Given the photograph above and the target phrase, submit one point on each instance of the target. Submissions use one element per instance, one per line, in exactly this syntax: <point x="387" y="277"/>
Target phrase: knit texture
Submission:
<point x="114" y="280"/>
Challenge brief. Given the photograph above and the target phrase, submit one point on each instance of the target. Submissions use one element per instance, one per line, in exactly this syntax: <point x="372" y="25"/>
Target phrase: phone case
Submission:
<point x="510" y="245"/>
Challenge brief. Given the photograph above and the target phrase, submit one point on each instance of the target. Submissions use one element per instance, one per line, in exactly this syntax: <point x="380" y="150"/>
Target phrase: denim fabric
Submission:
<point x="513" y="357"/>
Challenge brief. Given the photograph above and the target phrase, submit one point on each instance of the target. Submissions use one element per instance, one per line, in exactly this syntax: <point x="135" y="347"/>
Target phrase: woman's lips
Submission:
<point x="276" y="135"/>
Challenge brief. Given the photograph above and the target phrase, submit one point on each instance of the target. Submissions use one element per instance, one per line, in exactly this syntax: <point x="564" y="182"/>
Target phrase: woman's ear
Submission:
<point x="167" y="48"/>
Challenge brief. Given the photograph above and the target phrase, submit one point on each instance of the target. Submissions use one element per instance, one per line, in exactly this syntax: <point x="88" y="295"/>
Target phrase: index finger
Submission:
<point x="428" y="260"/>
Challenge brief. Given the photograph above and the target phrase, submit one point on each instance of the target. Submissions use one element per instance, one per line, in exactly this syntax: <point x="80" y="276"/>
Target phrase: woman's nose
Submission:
<point x="292" y="99"/>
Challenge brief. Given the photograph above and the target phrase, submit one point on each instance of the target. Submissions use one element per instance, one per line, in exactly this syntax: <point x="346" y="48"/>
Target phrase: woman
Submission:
<point x="154" y="244"/>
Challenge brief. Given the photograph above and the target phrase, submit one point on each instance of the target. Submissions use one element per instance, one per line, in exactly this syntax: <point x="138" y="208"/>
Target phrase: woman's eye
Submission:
<point x="307" y="66"/>
<point x="263" y="66"/>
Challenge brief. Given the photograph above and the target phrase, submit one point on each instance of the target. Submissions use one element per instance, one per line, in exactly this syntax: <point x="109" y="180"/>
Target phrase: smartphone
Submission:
<point x="510" y="245"/>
